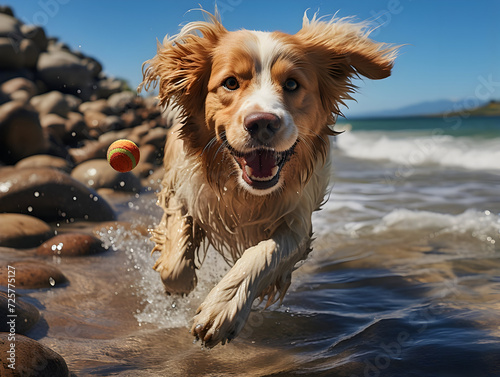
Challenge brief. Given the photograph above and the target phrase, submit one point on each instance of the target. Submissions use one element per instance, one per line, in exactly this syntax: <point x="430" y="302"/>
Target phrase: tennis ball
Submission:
<point x="123" y="155"/>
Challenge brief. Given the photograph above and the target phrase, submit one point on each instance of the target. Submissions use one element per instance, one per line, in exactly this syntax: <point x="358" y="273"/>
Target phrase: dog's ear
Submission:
<point x="341" y="50"/>
<point x="182" y="66"/>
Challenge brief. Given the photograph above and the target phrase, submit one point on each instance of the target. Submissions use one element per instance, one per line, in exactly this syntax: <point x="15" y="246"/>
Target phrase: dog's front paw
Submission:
<point x="218" y="321"/>
<point x="177" y="274"/>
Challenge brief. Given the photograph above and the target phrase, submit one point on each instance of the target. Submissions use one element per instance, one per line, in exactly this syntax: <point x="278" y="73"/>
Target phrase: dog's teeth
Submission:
<point x="274" y="171"/>
<point x="249" y="172"/>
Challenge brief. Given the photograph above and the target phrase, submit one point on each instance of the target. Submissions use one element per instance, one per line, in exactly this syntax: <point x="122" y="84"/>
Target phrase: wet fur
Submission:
<point x="261" y="236"/>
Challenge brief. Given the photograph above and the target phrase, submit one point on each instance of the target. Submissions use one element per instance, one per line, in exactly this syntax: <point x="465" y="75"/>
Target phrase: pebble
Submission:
<point x="98" y="174"/>
<point x="71" y="245"/>
<point x="27" y="315"/>
<point x="34" y="274"/>
<point x="45" y="161"/>
<point x="23" y="231"/>
<point x="51" y="195"/>
<point x="17" y="85"/>
<point x="53" y="102"/>
<point x="32" y="359"/>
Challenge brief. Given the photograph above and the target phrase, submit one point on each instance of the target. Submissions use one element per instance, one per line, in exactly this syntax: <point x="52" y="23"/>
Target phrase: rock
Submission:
<point x="110" y="137"/>
<point x="27" y="314"/>
<point x="4" y="98"/>
<point x="10" y="27"/>
<point x="45" y="161"/>
<point x="53" y="102"/>
<point x="21" y="134"/>
<point x="36" y="34"/>
<point x="119" y="102"/>
<point x="29" y="52"/>
<point x="93" y="66"/>
<point x="76" y="128"/>
<point x="111" y="123"/>
<point x="61" y="70"/>
<point x="33" y="274"/>
<point x="12" y="74"/>
<point x="73" y="102"/>
<point x="107" y="87"/>
<point x="23" y="231"/>
<point x="71" y="245"/>
<point x="151" y="154"/>
<point x="5" y="9"/>
<point x="140" y="131"/>
<point x="10" y="59"/>
<point x="32" y="359"/>
<point x="144" y="169"/>
<point x="94" y="118"/>
<point x="100" y="106"/>
<point x="97" y="174"/>
<point x="54" y="124"/>
<point x="131" y="119"/>
<point x="92" y="149"/>
<point x="18" y="84"/>
<point x="156" y="136"/>
<point x="51" y="195"/>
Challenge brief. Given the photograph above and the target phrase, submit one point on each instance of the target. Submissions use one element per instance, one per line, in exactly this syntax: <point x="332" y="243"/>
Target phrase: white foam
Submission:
<point x="411" y="149"/>
<point x="483" y="225"/>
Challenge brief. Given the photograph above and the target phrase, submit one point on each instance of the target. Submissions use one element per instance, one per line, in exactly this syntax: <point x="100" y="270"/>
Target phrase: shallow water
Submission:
<point x="404" y="280"/>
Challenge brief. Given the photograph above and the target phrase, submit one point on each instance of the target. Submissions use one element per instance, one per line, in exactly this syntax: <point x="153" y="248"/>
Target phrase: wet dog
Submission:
<point x="249" y="159"/>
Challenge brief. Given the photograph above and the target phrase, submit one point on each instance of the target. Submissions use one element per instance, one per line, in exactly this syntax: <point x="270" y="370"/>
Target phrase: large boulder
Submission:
<point x="21" y="134"/>
<point x="61" y="70"/>
<point x="32" y="359"/>
<point x="27" y="315"/>
<point x="22" y="231"/>
<point x="51" y="195"/>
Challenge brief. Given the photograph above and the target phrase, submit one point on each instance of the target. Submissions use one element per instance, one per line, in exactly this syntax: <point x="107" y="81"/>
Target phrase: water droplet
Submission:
<point x="52" y="282"/>
<point x="30" y="209"/>
<point x="74" y="197"/>
<point x="37" y="194"/>
<point x="78" y="91"/>
<point x="73" y="134"/>
<point x="122" y="184"/>
<point x="487" y="213"/>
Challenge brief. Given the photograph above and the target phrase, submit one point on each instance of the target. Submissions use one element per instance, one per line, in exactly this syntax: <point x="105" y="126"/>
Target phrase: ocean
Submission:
<point x="403" y="280"/>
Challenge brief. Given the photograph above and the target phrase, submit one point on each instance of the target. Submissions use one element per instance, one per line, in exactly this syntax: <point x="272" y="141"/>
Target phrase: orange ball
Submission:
<point x="123" y="155"/>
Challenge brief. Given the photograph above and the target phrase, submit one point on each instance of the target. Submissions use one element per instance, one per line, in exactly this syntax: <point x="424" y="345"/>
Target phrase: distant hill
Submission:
<point x="438" y="108"/>
<point x="491" y="108"/>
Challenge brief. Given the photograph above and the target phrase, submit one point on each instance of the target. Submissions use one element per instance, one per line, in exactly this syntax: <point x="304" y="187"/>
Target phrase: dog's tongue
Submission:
<point x="261" y="163"/>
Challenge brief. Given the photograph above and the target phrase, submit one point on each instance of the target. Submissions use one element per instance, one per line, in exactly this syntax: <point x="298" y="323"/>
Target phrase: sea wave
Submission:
<point x="481" y="224"/>
<point x="413" y="149"/>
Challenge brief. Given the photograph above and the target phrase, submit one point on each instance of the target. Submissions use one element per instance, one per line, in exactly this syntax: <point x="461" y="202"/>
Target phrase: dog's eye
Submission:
<point x="291" y="85"/>
<point x="231" y="83"/>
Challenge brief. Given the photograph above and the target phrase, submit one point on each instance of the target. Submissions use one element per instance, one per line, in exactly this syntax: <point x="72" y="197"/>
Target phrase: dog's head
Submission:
<point x="259" y="106"/>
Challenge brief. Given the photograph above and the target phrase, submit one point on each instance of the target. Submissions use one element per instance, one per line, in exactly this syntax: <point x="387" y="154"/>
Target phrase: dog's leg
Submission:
<point x="263" y="269"/>
<point x="177" y="239"/>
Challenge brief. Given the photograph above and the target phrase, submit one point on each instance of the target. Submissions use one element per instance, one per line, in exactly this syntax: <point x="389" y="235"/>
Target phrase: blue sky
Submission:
<point x="452" y="47"/>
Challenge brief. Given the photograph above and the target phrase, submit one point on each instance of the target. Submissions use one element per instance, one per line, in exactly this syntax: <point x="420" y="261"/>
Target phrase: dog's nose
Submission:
<point x="262" y="126"/>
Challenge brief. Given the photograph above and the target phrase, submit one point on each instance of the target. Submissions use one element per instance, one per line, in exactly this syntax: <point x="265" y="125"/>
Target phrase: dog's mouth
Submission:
<point x="261" y="168"/>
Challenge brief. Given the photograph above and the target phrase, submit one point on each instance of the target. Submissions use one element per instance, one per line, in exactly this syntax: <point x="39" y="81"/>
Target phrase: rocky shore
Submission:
<point x="59" y="113"/>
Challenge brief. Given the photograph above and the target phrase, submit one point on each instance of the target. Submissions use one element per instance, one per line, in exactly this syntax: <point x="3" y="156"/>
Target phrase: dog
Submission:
<point x="248" y="160"/>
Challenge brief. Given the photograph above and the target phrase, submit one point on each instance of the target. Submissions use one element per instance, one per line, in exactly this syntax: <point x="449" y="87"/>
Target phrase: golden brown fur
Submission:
<point x="212" y="192"/>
